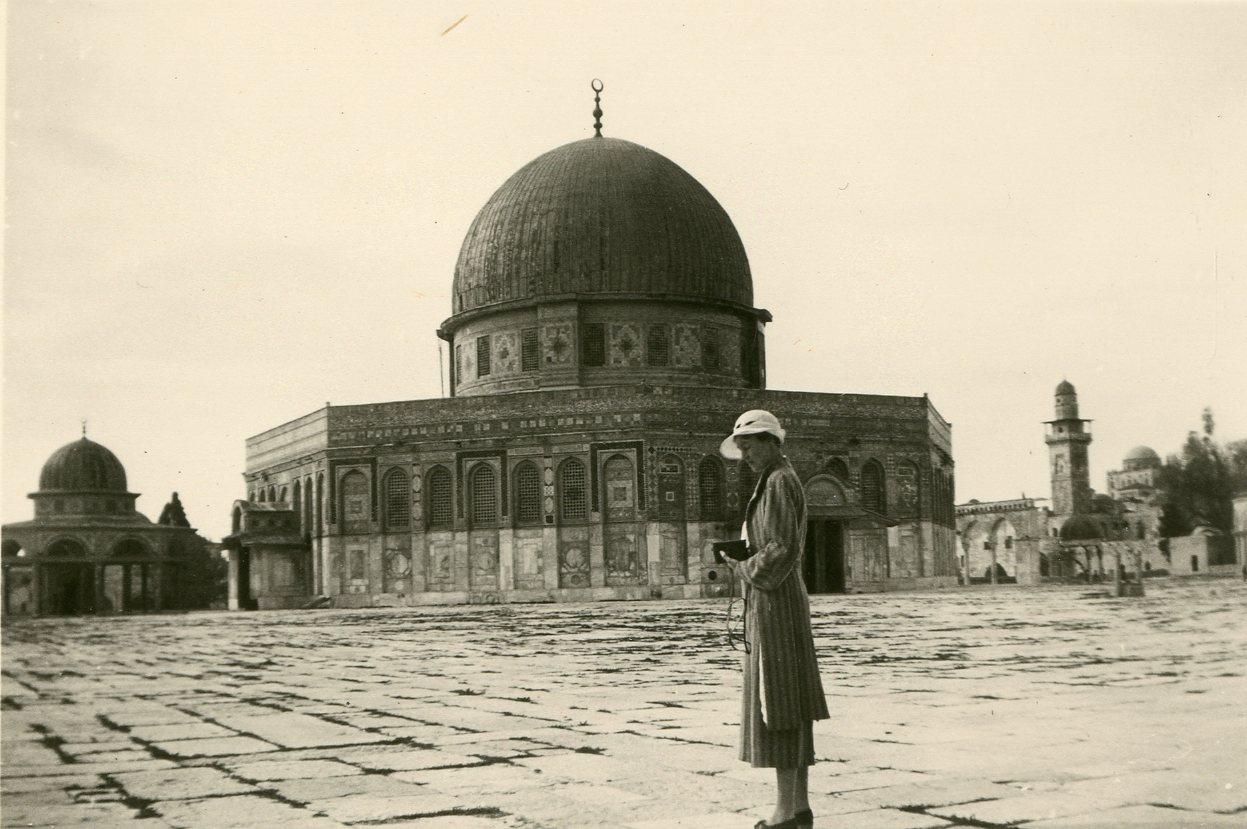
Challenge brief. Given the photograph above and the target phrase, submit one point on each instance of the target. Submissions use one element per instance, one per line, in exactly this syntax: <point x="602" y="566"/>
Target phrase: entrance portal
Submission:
<point x="823" y="563"/>
<point x="68" y="589"/>
<point x="245" y="602"/>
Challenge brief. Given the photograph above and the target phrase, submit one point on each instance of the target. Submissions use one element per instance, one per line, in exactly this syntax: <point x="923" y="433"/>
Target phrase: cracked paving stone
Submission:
<point x="1027" y="807"/>
<point x="179" y="784"/>
<point x="325" y="788"/>
<point x="299" y="730"/>
<point x="414" y="760"/>
<point x="361" y="808"/>
<point x="215" y="747"/>
<point x="239" y="811"/>
<point x="491" y="779"/>
<point x="1139" y="816"/>
<point x="181" y="731"/>
<point x="62" y="815"/>
<point x="294" y="769"/>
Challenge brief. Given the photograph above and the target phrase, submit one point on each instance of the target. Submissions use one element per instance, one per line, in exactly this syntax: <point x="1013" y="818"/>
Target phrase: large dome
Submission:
<point x="601" y="216"/>
<point x="83" y="465"/>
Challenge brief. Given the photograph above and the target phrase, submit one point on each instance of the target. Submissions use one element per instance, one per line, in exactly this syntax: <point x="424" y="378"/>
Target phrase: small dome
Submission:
<point x="1081" y="528"/>
<point x="601" y="216"/>
<point x="1065" y="387"/>
<point x="83" y="465"/>
<point x="1142" y="455"/>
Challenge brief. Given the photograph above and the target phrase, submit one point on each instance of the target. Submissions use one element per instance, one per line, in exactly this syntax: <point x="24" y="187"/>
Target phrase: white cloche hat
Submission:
<point x="752" y="422"/>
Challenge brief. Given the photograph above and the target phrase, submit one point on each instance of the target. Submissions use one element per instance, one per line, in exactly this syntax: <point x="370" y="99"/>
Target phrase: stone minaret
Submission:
<point x="1067" y="440"/>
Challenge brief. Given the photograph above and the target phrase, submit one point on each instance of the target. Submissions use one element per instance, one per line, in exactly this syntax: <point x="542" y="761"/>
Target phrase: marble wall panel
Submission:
<point x="483" y="560"/>
<point x="529" y="567"/>
<point x="623" y="559"/>
<point x="574" y="557"/>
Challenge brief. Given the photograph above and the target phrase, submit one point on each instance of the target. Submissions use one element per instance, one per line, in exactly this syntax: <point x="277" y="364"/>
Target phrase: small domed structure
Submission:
<point x="83" y="466"/>
<point x="1142" y="457"/>
<point x="1065" y="387"/>
<point x="88" y="550"/>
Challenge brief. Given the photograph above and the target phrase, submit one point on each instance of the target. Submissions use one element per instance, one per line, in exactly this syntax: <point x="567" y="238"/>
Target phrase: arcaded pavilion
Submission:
<point x="88" y="550"/>
<point x="604" y="339"/>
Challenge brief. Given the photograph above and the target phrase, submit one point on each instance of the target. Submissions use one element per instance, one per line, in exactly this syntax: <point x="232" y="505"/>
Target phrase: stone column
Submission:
<point x="232" y="596"/>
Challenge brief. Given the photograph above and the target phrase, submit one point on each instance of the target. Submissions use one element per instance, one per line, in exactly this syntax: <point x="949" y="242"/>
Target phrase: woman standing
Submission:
<point x="783" y="693"/>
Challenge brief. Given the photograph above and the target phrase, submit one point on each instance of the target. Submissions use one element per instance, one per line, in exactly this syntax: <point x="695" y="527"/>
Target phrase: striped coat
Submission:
<point x="777" y="614"/>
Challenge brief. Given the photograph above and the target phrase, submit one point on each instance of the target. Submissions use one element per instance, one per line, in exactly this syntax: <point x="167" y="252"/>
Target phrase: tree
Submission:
<point x="1199" y="483"/>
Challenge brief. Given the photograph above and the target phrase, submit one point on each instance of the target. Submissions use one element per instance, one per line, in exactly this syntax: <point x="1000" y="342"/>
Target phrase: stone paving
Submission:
<point x="1045" y="707"/>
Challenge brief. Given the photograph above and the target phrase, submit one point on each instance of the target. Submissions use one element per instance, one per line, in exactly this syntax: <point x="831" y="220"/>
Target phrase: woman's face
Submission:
<point x="756" y="450"/>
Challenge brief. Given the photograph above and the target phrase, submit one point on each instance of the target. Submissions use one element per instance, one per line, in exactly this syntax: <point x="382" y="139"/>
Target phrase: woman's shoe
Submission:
<point x="804" y="819"/>
<point x="791" y="823"/>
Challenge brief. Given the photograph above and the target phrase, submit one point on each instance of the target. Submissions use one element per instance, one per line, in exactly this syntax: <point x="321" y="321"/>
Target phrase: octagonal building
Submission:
<point x="603" y="339"/>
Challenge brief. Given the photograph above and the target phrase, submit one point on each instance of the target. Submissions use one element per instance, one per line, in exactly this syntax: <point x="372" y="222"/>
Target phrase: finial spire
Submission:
<point x="84" y="427"/>
<point x="597" y="87"/>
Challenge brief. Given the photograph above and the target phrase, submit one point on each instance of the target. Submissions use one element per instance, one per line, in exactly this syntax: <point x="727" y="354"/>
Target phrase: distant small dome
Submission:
<point x="1081" y="528"/>
<point x="1142" y="455"/>
<point x="83" y="465"/>
<point x="1065" y="387"/>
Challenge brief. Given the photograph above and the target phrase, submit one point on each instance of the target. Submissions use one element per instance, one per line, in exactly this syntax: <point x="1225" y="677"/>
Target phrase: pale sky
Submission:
<point x="221" y="215"/>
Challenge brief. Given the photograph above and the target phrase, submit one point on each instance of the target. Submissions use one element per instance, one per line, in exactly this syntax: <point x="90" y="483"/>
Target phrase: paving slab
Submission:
<point x="179" y="783"/>
<point x="1004" y="706"/>
<point x="244" y="810"/>
<point x="373" y="809"/>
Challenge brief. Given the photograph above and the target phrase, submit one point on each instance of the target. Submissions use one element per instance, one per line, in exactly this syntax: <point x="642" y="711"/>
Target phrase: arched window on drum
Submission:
<point x="710" y="488"/>
<point x="396" y="500"/>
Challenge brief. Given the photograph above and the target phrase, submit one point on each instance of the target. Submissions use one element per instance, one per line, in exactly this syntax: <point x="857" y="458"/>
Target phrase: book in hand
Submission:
<point x="735" y="550"/>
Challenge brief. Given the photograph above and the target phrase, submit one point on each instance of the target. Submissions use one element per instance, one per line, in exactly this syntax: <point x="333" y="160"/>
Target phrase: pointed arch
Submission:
<point x="320" y="504"/>
<point x="297" y="502"/>
<point x="837" y="467"/>
<point x="439" y="498"/>
<point x="483" y="495"/>
<point x="527" y="489"/>
<point x="395" y="500"/>
<point x="710" y="488"/>
<point x="309" y="515"/>
<point x="874" y="493"/>
<point x="573" y="491"/>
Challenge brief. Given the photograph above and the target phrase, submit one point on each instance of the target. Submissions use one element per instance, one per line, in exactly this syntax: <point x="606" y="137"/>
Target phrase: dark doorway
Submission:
<point x="68" y="589"/>
<point x="245" y="602"/>
<point x="823" y="563"/>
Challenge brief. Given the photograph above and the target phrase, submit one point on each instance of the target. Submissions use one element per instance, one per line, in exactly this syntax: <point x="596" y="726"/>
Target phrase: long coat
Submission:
<point x="777" y="608"/>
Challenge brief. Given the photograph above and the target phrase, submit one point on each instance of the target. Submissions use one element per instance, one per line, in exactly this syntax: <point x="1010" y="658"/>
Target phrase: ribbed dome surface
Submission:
<point x="601" y="216"/>
<point x="83" y="465"/>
